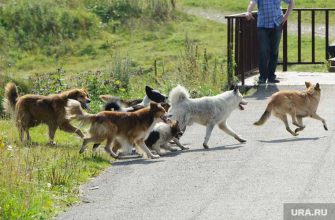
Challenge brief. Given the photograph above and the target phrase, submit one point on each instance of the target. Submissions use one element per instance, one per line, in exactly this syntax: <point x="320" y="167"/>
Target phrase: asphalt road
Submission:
<point x="228" y="181"/>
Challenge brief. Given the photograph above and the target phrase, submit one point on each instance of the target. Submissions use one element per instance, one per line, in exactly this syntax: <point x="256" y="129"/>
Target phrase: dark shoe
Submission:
<point x="273" y="81"/>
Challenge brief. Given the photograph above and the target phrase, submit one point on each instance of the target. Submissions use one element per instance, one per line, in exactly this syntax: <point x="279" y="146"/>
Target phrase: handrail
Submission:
<point x="242" y="45"/>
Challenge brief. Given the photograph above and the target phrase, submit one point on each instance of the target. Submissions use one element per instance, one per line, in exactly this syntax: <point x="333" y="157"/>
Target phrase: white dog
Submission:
<point x="208" y="111"/>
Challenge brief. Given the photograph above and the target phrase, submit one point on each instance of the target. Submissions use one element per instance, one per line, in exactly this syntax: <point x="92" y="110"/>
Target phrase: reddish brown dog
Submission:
<point x="127" y="128"/>
<point x="32" y="110"/>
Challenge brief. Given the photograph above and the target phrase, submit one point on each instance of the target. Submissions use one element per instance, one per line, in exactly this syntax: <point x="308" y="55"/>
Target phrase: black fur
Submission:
<point x="154" y="95"/>
<point x="112" y="106"/>
<point x="152" y="139"/>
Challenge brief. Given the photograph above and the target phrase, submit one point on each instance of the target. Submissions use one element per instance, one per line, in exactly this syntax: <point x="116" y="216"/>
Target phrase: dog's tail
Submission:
<point x="266" y="115"/>
<point x="178" y="95"/>
<point x="10" y="98"/>
<point x="75" y="111"/>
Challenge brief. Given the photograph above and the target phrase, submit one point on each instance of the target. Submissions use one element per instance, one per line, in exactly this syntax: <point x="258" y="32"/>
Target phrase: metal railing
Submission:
<point x="242" y="43"/>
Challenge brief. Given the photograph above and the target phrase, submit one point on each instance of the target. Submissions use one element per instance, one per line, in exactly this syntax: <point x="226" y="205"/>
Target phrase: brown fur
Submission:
<point x="298" y="104"/>
<point x="125" y="127"/>
<point x="32" y="110"/>
<point x="125" y="103"/>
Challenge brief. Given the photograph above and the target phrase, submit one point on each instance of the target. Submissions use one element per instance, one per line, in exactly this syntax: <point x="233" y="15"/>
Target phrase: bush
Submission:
<point x="37" y="23"/>
<point x="115" y="10"/>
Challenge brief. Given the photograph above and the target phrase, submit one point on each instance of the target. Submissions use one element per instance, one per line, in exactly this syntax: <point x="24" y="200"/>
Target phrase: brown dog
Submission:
<point x="31" y="110"/>
<point x="298" y="104"/>
<point x="125" y="127"/>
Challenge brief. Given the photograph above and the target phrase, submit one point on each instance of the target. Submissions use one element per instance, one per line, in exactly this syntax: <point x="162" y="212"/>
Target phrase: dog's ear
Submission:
<point x="308" y="84"/>
<point x="317" y="86"/>
<point x="148" y="89"/>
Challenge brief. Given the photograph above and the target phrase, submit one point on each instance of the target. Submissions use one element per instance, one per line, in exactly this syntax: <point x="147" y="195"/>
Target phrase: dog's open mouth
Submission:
<point x="241" y="104"/>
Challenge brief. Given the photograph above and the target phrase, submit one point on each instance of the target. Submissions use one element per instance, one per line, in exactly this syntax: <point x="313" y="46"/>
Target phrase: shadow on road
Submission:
<point x="264" y="91"/>
<point x="226" y="147"/>
<point x="293" y="139"/>
<point x="136" y="161"/>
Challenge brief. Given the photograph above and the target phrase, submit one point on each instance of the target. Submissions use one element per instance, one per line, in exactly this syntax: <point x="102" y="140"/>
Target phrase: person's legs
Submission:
<point x="275" y="37"/>
<point x="264" y="44"/>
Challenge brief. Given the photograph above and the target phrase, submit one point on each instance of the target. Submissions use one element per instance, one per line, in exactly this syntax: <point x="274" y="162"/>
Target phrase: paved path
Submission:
<point x="228" y="181"/>
<point x="219" y="16"/>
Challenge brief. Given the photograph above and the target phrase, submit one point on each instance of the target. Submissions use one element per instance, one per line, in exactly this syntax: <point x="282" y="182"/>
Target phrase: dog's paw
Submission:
<point x="295" y="134"/>
<point x="205" y="146"/>
<point x="241" y="140"/>
<point x="155" y="156"/>
<point x="52" y="143"/>
<point x="325" y="127"/>
<point x="185" y="148"/>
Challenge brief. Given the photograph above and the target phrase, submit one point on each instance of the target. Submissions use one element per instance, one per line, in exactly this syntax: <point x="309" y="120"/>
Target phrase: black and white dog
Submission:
<point x="113" y="103"/>
<point x="162" y="134"/>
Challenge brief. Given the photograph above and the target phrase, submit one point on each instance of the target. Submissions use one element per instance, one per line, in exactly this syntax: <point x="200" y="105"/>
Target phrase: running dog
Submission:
<point x="208" y="111"/>
<point x="32" y="110"/>
<point x="127" y="128"/>
<point x="162" y="134"/>
<point x="298" y="104"/>
<point x="113" y="103"/>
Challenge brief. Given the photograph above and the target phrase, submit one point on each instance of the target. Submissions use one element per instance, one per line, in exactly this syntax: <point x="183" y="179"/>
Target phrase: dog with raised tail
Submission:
<point x="297" y="104"/>
<point x="31" y="110"/>
<point x="208" y="111"/>
<point x="127" y="128"/>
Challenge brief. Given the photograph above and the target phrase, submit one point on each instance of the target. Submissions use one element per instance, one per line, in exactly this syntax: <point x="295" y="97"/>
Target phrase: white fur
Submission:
<point x="208" y="111"/>
<point x="165" y="136"/>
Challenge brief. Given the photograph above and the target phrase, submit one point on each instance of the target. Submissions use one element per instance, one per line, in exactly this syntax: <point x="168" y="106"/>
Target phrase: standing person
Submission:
<point x="270" y="20"/>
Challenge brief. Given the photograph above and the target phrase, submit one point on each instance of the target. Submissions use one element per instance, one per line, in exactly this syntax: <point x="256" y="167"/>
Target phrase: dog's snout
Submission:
<point x="88" y="100"/>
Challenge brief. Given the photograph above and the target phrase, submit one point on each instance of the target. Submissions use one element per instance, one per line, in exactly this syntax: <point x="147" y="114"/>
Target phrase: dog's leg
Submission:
<point x="85" y="142"/>
<point x="224" y="126"/>
<point x="317" y="117"/>
<point x="66" y="126"/>
<point x="52" y="131"/>
<point x="294" y="119"/>
<point x="209" y="130"/>
<point x="28" y="135"/>
<point x="283" y="117"/>
<point x="301" y="123"/>
<point x="157" y="148"/>
<point x="108" y="148"/>
<point x="168" y="147"/>
<point x="21" y="131"/>
<point x="177" y="142"/>
<point x="95" y="147"/>
<point x="144" y="147"/>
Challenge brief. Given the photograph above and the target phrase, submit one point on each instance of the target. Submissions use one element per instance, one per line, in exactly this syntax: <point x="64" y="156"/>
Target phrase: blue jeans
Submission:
<point x="268" y="41"/>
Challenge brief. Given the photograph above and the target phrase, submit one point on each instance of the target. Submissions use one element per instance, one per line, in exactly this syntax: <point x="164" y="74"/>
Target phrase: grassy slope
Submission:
<point x="143" y="45"/>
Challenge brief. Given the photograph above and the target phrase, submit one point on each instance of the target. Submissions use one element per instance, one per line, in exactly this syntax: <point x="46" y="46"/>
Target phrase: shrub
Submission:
<point x="37" y="23"/>
<point x="115" y="10"/>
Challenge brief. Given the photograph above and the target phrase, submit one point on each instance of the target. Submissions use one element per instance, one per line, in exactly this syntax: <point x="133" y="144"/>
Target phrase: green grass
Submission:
<point x="38" y="181"/>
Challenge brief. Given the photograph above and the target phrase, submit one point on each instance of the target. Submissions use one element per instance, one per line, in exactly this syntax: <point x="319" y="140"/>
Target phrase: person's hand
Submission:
<point x="285" y="17"/>
<point x="249" y="16"/>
